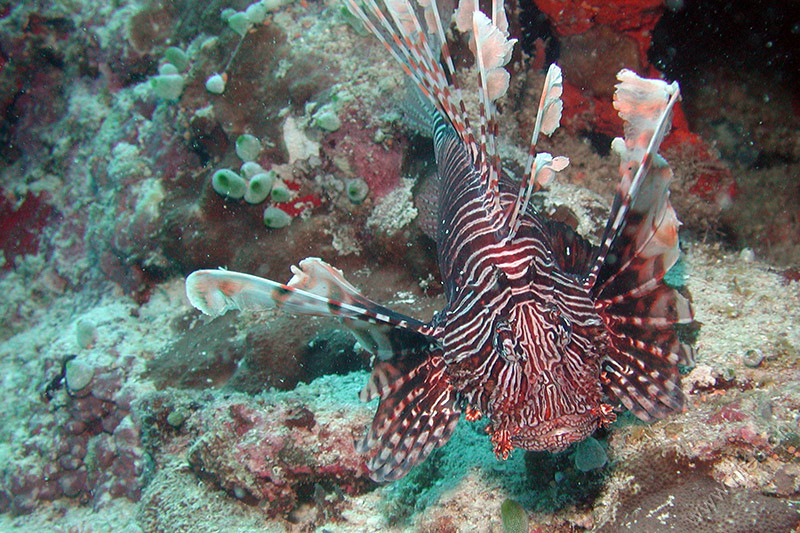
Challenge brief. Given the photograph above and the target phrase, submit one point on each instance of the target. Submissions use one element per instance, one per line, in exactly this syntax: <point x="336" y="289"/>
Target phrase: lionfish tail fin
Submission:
<point x="316" y="289"/>
<point x="417" y="413"/>
<point x="639" y="246"/>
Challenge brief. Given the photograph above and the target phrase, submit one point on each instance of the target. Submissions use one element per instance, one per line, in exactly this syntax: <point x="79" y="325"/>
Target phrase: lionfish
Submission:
<point x="544" y="333"/>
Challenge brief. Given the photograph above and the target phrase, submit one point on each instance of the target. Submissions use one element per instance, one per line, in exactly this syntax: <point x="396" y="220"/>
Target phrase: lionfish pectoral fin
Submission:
<point x="417" y="413"/>
<point x="215" y="292"/>
<point x="641" y="366"/>
<point x="640" y="241"/>
<point x="316" y="289"/>
<point x="640" y="312"/>
<point x="389" y="342"/>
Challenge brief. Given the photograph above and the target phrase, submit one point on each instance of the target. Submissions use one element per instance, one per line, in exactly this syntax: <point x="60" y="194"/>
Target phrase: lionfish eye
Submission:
<point x="562" y="325"/>
<point x="504" y="341"/>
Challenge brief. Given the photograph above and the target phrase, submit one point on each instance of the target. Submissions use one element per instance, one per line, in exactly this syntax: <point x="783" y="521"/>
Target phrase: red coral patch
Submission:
<point x="21" y="226"/>
<point x="377" y="164"/>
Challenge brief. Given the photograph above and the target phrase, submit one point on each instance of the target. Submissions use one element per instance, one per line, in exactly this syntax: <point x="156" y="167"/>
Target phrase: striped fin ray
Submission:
<point x="639" y="246"/>
<point x="651" y="318"/>
<point x="663" y="306"/>
<point x="417" y="413"/>
<point x="645" y="348"/>
<point x="660" y="340"/>
<point x="641" y="211"/>
<point x="649" y="393"/>
<point x="640" y="370"/>
<point x="411" y="47"/>
<point x="646" y="246"/>
<point x="385" y="378"/>
<point x="316" y="289"/>
<point x="433" y="19"/>
<point x="493" y="50"/>
<point x="540" y="168"/>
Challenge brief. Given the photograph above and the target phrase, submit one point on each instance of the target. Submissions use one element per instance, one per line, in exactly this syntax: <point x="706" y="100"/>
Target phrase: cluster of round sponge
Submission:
<point x="253" y="183"/>
<point x="241" y="22"/>
<point x="168" y="83"/>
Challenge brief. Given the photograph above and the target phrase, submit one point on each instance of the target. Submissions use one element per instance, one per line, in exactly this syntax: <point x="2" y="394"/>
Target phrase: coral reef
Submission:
<point x="276" y="450"/>
<point x="747" y="104"/>
<point x="353" y="150"/>
<point x="125" y="411"/>
<point x="675" y="494"/>
<point x="557" y="480"/>
<point x="82" y="440"/>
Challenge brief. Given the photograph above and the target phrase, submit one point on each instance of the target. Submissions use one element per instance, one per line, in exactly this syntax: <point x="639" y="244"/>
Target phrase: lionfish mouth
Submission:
<point x="555" y="435"/>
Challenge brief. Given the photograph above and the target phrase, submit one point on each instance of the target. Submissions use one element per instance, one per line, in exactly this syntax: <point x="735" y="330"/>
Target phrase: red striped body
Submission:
<point x="521" y="339"/>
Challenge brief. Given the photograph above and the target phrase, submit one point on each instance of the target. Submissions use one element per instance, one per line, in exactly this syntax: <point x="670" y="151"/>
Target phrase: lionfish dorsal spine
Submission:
<point x="412" y="48"/>
<point x="492" y="48"/>
<point x="540" y="168"/>
<point x="418" y="46"/>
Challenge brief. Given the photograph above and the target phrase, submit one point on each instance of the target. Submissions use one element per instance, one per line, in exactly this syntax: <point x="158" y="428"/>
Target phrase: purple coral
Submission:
<point x="90" y="450"/>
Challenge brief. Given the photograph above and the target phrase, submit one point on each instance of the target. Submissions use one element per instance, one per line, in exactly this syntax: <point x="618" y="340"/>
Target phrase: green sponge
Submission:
<point x="177" y="57"/>
<point x="276" y="218"/>
<point x="228" y="183"/>
<point x="259" y="187"/>
<point x="357" y="190"/>
<point x="167" y="86"/>
<point x="280" y="192"/>
<point x="215" y="84"/>
<point x="248" y="147"/>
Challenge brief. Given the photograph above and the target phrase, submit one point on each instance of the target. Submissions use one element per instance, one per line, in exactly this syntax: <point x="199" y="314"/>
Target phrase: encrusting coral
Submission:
<point x="669" y="493"/>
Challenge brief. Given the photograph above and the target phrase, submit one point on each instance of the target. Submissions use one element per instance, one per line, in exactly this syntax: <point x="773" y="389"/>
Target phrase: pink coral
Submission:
<point x="267" y="453"/>
<point x="21" y="225"/>
<point x="90" y="450"/>
<point x="635" y="18"/>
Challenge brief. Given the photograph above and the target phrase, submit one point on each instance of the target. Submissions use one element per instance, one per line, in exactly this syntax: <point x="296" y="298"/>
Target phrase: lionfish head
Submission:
<point x="548" y="392"/>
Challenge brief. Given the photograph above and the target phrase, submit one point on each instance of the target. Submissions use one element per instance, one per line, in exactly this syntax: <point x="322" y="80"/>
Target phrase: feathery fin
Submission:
<point x="418" y="413"/>
<point x="639" y="245"/>
<point x="316" y="289"/>
<point x="499" y="16"/>
<point x="548" y="117"/>
<point x="414" y="50"/>
<point x="645" y="105"/>
<point x="492" y="52"/>
<point x="544" y="168"/>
